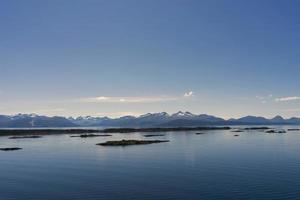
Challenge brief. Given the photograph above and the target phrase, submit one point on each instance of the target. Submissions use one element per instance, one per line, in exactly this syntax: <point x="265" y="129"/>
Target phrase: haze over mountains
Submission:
<point x="162" y="119"/>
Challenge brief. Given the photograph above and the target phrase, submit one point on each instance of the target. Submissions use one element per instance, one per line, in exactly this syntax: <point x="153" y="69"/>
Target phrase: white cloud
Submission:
<point x="105" y="99"/>
<point x="102" y="98"/>
<point x="135" y="99"/>
<point x="294" y="98"/>
<point x="260" y="97"/>
<point x="188" y="94"/>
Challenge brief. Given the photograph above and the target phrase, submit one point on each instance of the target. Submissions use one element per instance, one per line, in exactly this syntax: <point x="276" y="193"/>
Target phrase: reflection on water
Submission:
<point x="216" y="165"/>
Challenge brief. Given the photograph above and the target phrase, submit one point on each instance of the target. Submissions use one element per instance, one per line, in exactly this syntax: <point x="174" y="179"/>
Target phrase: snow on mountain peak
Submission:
<point x="183" y="114"/>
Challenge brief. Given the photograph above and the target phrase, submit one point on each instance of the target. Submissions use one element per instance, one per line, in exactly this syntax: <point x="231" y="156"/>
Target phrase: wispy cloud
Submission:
<point x="294" y="98"/>
<point x="260" y="97"/>
<point x="188" y="94"/>
<point x="135" y="99"/>
<point x="264" y="99"/>
<point x="106" y="99"/>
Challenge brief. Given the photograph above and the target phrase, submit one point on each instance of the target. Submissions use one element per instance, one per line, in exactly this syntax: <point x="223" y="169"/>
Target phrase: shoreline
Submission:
<point x="50" y="131"/>
<point x="71" y="131"/>
<point x="158" y="129"/>
<point x="16" y="132"/>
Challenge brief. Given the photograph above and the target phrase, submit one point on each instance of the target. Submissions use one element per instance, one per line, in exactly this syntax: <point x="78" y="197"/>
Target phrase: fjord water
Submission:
<point x="215" y="165"/>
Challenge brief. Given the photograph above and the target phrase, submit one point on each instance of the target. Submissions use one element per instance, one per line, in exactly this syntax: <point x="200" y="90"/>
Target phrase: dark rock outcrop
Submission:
<point x="276" y="131"/>
<point x="25" y="137"/>
<point x="90" y="135"/>
<point x="130" y="142"/>
<point x="10" y="149"/>
<point x="154" y="135"/>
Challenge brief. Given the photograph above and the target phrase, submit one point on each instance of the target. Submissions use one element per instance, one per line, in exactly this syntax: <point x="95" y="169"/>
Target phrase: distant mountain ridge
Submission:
<point x="161" y="119"/>
<point x="33" y="120"/>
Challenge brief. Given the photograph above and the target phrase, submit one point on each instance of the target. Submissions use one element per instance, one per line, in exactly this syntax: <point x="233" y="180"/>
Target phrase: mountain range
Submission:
<point x="162" y="119"/>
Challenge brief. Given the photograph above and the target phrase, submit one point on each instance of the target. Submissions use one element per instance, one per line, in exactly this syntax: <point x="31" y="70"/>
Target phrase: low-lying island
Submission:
<point x="130" y="142"/>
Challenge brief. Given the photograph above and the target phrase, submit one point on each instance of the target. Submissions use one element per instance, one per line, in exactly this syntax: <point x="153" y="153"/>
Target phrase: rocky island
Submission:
<point x="10" y="149"/>
<point x="130" y="142"/>
<point x="257" y="128"/>
<point x="153" y="135"/>
<point x="25" y="137"/>
<point x="276" y="131"/>
<point x="91" y="135"/>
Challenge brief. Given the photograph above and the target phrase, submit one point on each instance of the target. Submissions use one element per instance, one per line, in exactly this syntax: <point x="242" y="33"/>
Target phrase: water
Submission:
<point x="216" y="165"/>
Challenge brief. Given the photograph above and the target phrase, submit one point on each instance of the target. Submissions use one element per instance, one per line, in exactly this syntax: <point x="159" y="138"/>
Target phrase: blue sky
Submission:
<point x="94" y="57"/>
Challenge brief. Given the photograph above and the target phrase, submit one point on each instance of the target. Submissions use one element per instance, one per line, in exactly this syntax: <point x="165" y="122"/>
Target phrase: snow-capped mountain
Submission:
<point x="182" y="115"/>
<point x="161" y="119"/>
<point x="33" y="120"/>
<point x="88" y="120"/>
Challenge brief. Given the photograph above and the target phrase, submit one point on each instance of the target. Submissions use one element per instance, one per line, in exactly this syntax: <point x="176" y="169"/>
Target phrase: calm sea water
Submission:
<point x="216" y="165"/>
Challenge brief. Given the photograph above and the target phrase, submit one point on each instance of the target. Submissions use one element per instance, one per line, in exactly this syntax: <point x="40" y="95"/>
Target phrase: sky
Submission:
<point x="228" y="58"/>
